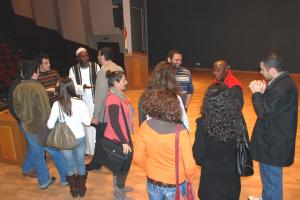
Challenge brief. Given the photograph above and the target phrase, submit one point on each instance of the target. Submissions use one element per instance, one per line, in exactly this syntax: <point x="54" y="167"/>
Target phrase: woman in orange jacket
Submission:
<point x="155" y="146"/>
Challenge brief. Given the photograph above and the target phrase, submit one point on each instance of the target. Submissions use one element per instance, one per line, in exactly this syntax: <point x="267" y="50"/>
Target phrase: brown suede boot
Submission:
<point x="81" y="184"/>
<point x="72" y="180"/>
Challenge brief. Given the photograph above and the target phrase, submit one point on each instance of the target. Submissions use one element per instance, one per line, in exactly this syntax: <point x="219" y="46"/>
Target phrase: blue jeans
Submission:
<point x="76" y="155"/>
<point x="28" y="163"/>
<point x="38" y="159"/>
<point x="163" y="193"/>
<point x="271" y="178"/>
<point x="59" y="161"/>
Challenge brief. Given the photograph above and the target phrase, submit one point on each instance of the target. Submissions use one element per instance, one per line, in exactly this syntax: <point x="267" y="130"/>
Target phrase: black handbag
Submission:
<point x="244" y="163"/>
<point x="113" y="157"/>
<point x="111" y="154"/>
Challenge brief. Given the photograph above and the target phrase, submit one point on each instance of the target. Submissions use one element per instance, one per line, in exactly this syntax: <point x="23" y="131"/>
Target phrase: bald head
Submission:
<point x="220" y="69"/>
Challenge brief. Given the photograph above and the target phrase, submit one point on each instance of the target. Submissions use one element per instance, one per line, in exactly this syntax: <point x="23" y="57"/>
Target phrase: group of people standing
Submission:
<point x="222" y="123"/>
<point x="39" y="97"/>
<point x="94" y="105"/>
<point x="219" y="128"/>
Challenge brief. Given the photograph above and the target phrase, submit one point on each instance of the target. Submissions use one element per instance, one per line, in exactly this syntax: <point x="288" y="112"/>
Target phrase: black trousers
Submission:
<point x="100" y="128"/>
<point x="120" y="179"/>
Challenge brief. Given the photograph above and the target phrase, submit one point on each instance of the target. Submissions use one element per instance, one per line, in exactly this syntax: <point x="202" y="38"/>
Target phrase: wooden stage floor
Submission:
<point x="13" y="186"/>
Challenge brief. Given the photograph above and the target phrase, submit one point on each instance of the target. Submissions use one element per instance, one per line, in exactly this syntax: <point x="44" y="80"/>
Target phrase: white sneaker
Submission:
<point x="254" y="198"/>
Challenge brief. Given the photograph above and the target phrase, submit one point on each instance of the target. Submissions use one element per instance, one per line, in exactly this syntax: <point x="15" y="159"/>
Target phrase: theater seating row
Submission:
<point x="8" y="64"/>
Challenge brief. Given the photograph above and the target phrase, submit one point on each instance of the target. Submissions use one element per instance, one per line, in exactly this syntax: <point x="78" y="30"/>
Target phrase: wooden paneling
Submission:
<point x="12" y="141"/>
<point x="136" y="67"/>
<point x="7" y="147"/>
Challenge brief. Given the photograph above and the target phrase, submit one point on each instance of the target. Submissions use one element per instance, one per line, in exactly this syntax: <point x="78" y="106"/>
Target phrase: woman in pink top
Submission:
<point x="119" y="116"/>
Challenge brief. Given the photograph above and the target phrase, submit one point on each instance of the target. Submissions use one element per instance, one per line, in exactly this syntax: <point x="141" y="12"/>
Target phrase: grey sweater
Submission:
<point x="102" y="89"/>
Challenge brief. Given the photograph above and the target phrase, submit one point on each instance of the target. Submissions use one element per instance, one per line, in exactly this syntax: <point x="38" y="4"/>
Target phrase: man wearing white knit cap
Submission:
<point x="84" y="75"/>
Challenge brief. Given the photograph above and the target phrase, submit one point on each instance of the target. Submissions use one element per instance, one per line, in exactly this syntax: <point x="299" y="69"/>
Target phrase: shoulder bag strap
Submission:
<point x="243" y="137"/>
<point x="177" y="194"/>
<point x="126" y="124"/>
<point x="60" y="116"/>
<point x="124" y="118"/>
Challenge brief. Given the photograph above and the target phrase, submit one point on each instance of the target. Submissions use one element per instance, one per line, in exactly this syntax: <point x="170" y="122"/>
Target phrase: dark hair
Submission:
<point x="163" y="77"/>
<point x="29" y="67"/>
<point x="222" y="114"/>
<point x="172" y="52"/>
<point x="273" y="61"/>
<point x="107" y="52"/>
<point x="66" y="91"/>
<point x="113" y="77"/>
<point x="163" y="105"/>
<point x="39" y="57"/>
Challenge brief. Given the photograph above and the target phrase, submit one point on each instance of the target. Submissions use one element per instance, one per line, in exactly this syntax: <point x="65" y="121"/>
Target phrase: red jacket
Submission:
<point x="230" y="80"/>
<point x="109" y="132"/>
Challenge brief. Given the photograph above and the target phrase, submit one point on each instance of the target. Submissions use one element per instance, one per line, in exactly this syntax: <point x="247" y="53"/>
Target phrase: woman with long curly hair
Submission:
<point x="218" y="129"/>
<point x="155" y="149"/>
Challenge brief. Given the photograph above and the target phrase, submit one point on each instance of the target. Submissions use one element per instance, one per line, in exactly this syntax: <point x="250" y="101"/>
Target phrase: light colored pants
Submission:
<point x="90" y="131"/>
<point x="76" y="156"/>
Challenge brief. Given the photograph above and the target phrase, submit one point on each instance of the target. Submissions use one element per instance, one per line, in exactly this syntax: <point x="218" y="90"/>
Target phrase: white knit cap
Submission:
<point x="79" y="50"/>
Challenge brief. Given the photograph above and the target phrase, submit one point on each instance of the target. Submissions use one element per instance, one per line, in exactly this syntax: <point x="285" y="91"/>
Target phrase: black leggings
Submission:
<point x="120" y="179"/>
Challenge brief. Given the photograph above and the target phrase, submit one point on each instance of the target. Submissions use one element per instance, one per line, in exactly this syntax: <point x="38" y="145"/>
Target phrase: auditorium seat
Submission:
<point x="2" y="75"/>
<point x="6" y="52"/>
<point x="11" y="65"/>
<point x="16" y="58"/>
<point x="6" y="59"/>
<point x="2" y="66"/>
<point x="3" y="46"/>
<point x="7" y="81"/>
<point x="12" y="71"/>
<point x="10" y="55"/>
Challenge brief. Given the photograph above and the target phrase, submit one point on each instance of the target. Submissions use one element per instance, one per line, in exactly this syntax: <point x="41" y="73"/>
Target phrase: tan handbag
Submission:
<point x="61" y="136"/>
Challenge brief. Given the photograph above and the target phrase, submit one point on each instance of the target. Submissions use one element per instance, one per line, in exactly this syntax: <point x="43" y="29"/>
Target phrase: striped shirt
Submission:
<point x="184" y="80"/>
<point x="49" y="79"/>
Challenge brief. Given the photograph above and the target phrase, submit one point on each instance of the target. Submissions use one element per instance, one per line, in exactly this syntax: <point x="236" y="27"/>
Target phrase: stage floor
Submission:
<point x="14" y="186"/>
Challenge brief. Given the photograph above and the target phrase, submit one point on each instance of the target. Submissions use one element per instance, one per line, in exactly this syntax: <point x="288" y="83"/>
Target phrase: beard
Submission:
<point x="83" y="65"/>
<point x="176" y="65"/>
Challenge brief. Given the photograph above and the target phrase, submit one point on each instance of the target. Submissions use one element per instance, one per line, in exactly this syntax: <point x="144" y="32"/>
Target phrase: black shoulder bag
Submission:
<point x="111" y="154"/>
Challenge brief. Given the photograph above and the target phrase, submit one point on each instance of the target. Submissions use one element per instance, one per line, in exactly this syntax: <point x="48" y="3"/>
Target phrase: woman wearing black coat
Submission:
<point x="214" y="149"/>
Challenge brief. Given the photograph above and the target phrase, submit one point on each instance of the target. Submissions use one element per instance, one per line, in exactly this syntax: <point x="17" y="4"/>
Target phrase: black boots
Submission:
<point x="72" y="180"/>
<point x="81" y="184"/>
<point x="77" y="185"/>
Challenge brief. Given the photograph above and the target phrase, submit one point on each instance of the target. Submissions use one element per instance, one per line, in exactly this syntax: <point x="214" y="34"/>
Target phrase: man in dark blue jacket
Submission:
<point x="274" y="134"/>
